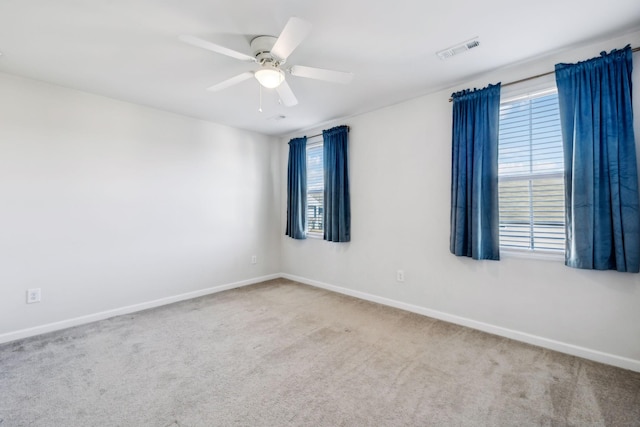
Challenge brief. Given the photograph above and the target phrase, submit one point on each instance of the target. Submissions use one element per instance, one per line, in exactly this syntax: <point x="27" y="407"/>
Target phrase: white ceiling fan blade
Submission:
<point x="321" y="74"/>
<point x="230" y="82"/>
<point x="198" y="42"/>
<point x="286" y="94"/>
<point x="291" y="36"/>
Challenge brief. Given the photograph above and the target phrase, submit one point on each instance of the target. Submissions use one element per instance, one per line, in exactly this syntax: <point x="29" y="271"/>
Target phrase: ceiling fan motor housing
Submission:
<point x="261" y="47"/>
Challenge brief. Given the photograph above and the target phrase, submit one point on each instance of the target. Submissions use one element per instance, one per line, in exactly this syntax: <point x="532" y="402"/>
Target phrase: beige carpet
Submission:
<point x="281" y="353"/>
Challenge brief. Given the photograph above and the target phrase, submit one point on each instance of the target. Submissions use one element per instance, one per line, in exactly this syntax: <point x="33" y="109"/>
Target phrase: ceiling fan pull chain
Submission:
<point x="260" y="107"/>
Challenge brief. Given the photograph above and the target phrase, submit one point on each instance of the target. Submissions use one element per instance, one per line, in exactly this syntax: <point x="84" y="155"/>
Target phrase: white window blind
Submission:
<point x="530" y="173"/>
<point x="315" y="188"/>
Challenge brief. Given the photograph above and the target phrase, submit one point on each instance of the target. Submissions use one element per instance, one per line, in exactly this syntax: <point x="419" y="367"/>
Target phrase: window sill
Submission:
<point x="528" y="254"/>
<point x="318" y="236"/>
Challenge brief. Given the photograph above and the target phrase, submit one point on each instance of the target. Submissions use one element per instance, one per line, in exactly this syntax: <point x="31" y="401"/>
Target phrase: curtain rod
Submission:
<point x="537" y="76"/>
<point x="313" y="136"/>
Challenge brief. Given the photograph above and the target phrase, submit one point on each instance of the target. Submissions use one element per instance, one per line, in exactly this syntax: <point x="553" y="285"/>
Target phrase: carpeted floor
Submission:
<point x="281" y="353"/>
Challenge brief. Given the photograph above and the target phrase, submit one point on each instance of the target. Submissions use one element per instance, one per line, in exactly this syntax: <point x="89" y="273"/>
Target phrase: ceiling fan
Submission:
<point x="271" y="53"/>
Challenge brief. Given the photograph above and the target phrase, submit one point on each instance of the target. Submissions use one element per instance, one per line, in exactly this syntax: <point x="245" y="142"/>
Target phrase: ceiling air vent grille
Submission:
<point x="459" y="48"/>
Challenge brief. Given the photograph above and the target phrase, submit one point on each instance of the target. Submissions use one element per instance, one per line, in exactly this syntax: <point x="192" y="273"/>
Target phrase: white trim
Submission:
<point x="574" y="350"/>
<point x="315" y="141"/>
<point x="528" y="176"/>
<point x="76" y="321"/>
<point x="534" y="88"/>
<point x="532" y="93"/>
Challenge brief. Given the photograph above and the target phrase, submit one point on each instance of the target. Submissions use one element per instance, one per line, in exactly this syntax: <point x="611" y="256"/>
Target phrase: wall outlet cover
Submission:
<point x="33" y="295"/>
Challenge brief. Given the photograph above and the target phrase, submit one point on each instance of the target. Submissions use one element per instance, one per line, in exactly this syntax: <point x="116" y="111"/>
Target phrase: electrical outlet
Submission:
<point x="254" y="259"/>
<point x="33" y="295"/>
<point x="400" y="275"/>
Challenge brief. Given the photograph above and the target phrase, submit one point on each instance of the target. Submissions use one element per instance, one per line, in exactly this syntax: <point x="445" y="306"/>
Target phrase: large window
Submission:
<point x="315" y="188"/>
<point x="530" y="170"/>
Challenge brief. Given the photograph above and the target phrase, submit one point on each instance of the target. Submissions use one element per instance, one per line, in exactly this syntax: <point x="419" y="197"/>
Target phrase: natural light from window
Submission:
<point x="531" y="174"/>
<point x="315" y="189"/>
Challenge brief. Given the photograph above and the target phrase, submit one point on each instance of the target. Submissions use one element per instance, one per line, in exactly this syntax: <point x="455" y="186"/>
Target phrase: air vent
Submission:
<point x="457" y="49"/>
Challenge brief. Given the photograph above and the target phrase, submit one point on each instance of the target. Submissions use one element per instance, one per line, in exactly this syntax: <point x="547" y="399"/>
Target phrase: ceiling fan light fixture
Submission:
<point x="269" y="77"/>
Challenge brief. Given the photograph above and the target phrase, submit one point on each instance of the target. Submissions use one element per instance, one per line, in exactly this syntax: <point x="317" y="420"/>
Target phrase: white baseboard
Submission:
<point x="574" y="350"/>
<point x="595" y="355"/>
<point x="76" y="321"/>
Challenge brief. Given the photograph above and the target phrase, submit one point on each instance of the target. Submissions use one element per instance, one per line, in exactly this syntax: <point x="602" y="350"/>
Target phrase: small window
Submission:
<point x="531" y="174"/>
<point x="315" y="188"/>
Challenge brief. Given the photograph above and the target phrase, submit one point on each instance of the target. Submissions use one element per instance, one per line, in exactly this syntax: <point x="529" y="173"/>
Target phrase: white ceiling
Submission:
<point x="129" y="49"/>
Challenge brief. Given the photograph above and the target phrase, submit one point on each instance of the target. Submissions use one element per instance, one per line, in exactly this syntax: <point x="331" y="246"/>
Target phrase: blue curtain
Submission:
<point x="337" y="205"/>
<point x="601" y="177"/>
<point x="297" y="189"/>
<point x="474" y="173"/>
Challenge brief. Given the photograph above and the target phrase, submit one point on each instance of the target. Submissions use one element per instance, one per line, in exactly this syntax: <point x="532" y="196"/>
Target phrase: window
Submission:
<point x="531" y="173"/>
<point x="315" y="188"/>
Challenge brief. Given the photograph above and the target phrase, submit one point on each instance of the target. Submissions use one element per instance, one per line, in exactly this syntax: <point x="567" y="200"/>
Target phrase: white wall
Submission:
<point x="105" y="204"/>
<point x="400" y="175"/>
